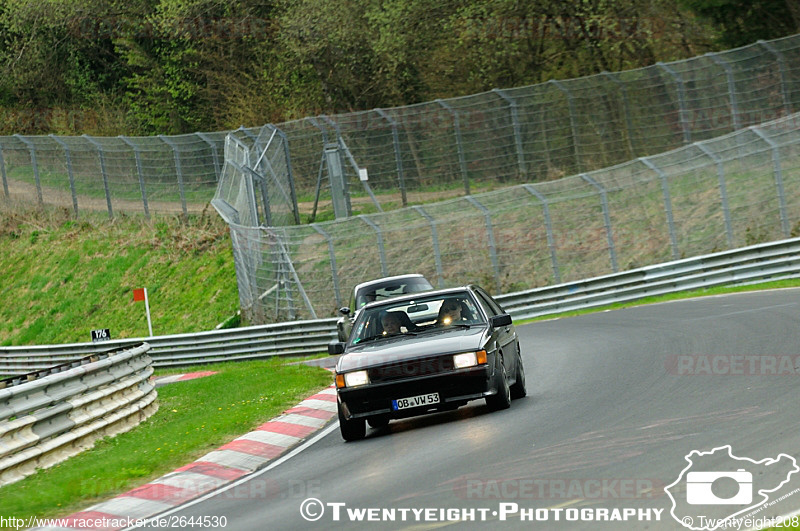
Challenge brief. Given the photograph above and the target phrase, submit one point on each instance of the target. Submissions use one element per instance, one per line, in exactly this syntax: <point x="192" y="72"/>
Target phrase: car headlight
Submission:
<point x="356" y="378"/>
<point x="469" y="359"/>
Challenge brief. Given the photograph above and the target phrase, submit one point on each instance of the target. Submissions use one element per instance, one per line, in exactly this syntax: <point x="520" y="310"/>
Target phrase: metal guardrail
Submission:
<point x="50" y="415"/>
<point x="299" y="338"/>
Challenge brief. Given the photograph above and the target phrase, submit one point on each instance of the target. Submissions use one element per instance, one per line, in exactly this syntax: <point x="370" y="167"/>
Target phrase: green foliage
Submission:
<point x="742" y="22"/>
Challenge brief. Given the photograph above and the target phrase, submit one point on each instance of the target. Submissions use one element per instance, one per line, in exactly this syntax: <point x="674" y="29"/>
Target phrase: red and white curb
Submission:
<point x="163" y="380"/>
<point x="224" y="465"/>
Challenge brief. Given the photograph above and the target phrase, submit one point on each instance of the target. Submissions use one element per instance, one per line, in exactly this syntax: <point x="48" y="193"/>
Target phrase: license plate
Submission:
<point x="415" y="401"/>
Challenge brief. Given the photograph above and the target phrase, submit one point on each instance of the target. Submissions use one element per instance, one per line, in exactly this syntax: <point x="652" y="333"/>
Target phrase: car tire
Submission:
<point x="378" y="422"/>
<point x="502" y="400"/>
<point x="518" y="390"/>
<point x="353" y="429"/>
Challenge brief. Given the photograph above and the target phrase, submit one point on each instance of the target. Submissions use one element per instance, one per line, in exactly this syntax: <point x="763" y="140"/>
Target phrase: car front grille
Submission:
<point x="410" y="369"/>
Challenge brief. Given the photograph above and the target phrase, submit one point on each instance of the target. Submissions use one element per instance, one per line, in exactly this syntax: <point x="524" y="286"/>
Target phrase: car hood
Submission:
<point x="411" y="347"/>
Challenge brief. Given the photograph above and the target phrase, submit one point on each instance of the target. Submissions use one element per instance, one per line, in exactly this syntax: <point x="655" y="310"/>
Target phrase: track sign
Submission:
<point x="103" y="334"/>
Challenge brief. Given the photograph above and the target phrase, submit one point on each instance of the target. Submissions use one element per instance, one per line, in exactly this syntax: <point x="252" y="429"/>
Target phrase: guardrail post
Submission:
<point x="606" y="219"/>
<point x="787" y="107"/>
<point x="462" y="161"/>
<point x="138" y="158"/>
<point x="214" y="153"/>
<point x="68" y="158"/>
<point x="573" y="125"/>
<point x="437" y="256"/>
<point x="776" y="170"/>
<point x="381" y="248"/>
<point x="177" y="156"/>
<point x="34" y="164"/>
<point x="673" y="238"/>
<point x="731" y="88"/>
<point x="101" y="155"/>
<point x="549" y="228"/>
<point x="3" y="173"/>
<point x="397" y="155"/>
<point x="490" y="236"/>
<point x="512" y="105"/>
<point x="625" y="107"/>
<point x="722" y="190"/>
<point x="682" y="112"/>
<point x="332" y="254"/>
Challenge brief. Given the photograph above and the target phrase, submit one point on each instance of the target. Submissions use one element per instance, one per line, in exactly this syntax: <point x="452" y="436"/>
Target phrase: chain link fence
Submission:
<point x="390" y="158"/>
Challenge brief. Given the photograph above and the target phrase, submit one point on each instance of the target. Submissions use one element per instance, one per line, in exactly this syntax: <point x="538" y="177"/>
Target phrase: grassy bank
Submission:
<point x="194" y="417"/>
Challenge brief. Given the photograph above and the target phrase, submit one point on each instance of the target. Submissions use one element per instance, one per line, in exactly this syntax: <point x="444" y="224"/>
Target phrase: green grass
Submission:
<point x="194" y="417"/>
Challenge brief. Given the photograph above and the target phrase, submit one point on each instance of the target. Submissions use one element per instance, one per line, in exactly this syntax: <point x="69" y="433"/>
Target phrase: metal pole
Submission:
<point x="289" y="173"/>
<point x="177" y="156"/>
<point x="776" y="170"/>
<point x="381" y="249"/>
<point x="606" y="219"/>
<point x="462" y="161"/>
<point x="68" y="158"/>
<point x="682" y="113"/>
<point x="572" y="123"/>
<point x="490" y="236"/>
<point x="397" y="155"/>
<point x="214" y="153"/>
<point x="138" y="157"/>
<point x="437" y="256"/>
<point x="787" y="107"/>
<point x="102" y="157"/>
<point x="673" y="238"/>
<point x="512" y="105"/>
<point x="731" y="89"/>
<point x="3" y="173"/>
<point x="551" y="245"/>
<point x="332" y="254"/>
<point x="722" y="190"/>
<point x="626" y="108"/>
<point x="34" y="163"/>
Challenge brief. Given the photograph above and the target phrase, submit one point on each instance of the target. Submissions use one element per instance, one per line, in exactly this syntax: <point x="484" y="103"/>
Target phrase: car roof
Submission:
<point x="412" y="296"/>
<point x="386" y="279"/>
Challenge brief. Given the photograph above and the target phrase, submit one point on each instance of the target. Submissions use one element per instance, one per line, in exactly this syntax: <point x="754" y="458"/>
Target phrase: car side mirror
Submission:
<point x="344" y="310"/>
<point x="335" y="348"/>
<point x="499" y="321"/>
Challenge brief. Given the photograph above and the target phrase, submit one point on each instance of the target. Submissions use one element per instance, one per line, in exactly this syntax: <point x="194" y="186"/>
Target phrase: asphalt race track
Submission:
<point x="616" y="400"/>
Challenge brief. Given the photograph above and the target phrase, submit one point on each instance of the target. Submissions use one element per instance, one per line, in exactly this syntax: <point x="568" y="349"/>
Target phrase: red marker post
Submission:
<point x="140" y="294"/>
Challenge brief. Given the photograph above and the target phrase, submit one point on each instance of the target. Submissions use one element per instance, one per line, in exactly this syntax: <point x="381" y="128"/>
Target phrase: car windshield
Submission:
<point x="389" y="289"/>
<point x="421" y="315"/>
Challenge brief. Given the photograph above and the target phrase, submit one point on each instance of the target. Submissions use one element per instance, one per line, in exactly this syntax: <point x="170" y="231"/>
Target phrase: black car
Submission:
<point x="376" y="290"/>
<point x="426" y="352"/>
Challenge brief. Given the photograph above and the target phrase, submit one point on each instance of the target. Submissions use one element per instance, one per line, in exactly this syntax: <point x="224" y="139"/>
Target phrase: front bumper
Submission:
<point x="455" y="388"/>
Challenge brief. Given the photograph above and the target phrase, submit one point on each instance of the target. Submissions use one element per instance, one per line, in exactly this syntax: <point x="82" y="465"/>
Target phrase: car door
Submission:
<point x="506" y="335"/>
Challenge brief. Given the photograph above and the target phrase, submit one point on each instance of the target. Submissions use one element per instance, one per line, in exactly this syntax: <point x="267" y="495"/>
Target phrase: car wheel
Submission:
<point x="378" y="422"/>
<point x="353" y="429"/>
<point x="502" y="400"/>
<point x="518" y="389"/>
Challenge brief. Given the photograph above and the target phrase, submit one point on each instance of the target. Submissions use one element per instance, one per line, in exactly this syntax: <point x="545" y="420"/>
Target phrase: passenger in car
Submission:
<point x="391" y="322"/>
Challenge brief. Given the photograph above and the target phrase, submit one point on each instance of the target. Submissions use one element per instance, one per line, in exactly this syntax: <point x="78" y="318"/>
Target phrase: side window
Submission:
<point x="496" y="309"/>
<point x="487" y="308"/>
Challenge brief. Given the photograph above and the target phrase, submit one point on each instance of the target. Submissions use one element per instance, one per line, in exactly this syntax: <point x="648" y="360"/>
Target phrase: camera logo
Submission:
<point x="699" y="488"/>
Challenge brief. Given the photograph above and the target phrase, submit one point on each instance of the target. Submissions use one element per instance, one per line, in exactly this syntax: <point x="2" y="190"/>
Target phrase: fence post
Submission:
<point x="625" y="107"/>
<point x="490" y="236"/>
<point x="397" y="155"/>
<point x="512" y="105"/>
<point x="787" y="107"/>
<point x="731" y="88"/>
<point x="177" y="156"/>
<point x="682" y="112"/>
<point x="549" y="228"/>
<point x="138" y="158"/>
<point x="381" y="248"/>
<point x="776" y="170"/>
<point x="462" y="161"/>
<point x="673" y="238"/>
<point x="606" y="219"/>
<point x="340" y="197"/>
<point x="332" y="254"/>
<point x="437" y="256"/>
<point x="34" y="163"/>
<point x="68" y="158"/>
<point x="3" y="173"/>
<point x="101" y="155"/>
<point x="290" y="174"/>
<point x="573" y="125"/>
<point x="214" y="153"/>
<point x="722" y="190"/>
